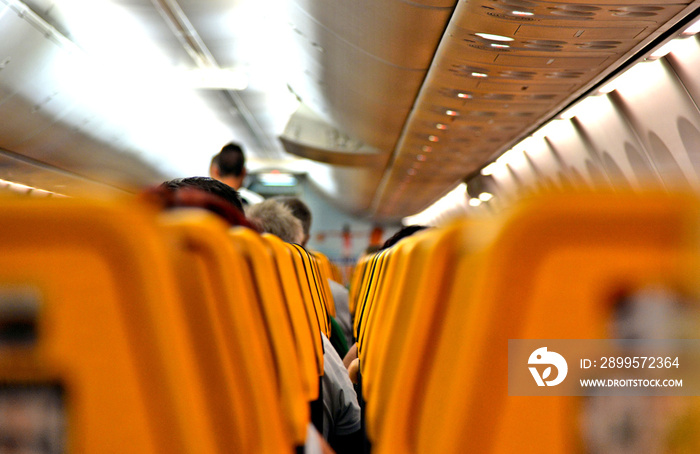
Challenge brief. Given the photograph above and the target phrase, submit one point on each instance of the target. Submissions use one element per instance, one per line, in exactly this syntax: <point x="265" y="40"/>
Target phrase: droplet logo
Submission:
<point x="542" y="357"/>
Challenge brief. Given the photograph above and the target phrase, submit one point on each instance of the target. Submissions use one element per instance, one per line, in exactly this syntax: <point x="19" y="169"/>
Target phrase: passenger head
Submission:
<point x="403" y="233"/>
<point x="200" y="192"/>
<point x="300" y="211"/>
<point x="228" y="165"/>
<point x="273" y="217"/>
<point x="209" y="185"/>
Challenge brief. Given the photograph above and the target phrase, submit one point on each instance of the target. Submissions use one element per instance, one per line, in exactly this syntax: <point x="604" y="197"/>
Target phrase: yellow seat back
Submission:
<point x="270" y="296"/>
<point x="325" y="272"/>
<point x="311" y="286"/>
<point x="367" y="293"/>
<point x="358" y="276"/>
<point x="98" y="303"/>
<point x="307" y="333"/>
<point x="228" y="332"/>
<point x="548" y="272"/>
<point x="404" y="328"/>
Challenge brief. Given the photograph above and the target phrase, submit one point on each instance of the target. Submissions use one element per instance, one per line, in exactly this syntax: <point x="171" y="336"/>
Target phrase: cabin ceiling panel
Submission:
<point x="349" y="69"/>
<point x="217" y="23"/>
<point x="550" y="62"/>
<point x="41" y="137"/>
<point x="61" y="15"/>
<point x="14" y="168"/>
<point x="19" y="61"/>
<point x="87" y="158"/>
<point x="644" y="134"/>
<point x="17" y="123"/>
<point x="431" y="3"/>
<point x="240" y="37"/>
<point x="354" y="90"/>
<point x="378" y="124"/>
<point x="361" y="65"/>
<point x="399" y="33"/>
<point x="584" y="32"/>
<point x="44" y="118"/>
<point x="411" y="78"/>
<point x="547" y="51"/>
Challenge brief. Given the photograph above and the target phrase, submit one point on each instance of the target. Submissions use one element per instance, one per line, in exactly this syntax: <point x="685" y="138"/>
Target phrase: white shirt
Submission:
<point x="341" y="412"/>
<point x="249" y="197"/>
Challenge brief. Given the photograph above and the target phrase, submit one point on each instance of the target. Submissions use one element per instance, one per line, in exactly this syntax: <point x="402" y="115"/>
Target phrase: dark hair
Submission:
<point x="209" y="185"/>
<point x="299" y="209"/>
<point x="200" y="192"/>
<point x="230" y="160"/>
<point x="403" y="233"/>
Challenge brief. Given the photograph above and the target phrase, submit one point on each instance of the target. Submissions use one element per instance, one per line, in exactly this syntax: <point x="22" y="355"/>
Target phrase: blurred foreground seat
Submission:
<point x="435" y="359"/>
<point x="235" y="353"/>
<point x="93" y="326"/>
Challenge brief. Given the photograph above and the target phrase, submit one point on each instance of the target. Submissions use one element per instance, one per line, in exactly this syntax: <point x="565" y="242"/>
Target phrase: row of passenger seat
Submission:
<point x="157" y="332"/>
<point x="433" y="315"/>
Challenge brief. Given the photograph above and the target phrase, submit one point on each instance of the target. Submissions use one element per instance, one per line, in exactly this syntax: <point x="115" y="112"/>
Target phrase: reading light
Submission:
<point x="474" y="202"/>
<point x="494" y="37"/>
<point x="522" y="13"/>
<point x="481" y="75"/>
<point x="451" y="113"/>
<point x="485" y="196"/>
<point x="464" y="95"/>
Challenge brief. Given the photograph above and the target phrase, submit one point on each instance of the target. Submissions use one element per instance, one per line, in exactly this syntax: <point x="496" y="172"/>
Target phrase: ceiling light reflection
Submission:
<point x="453" y="204"/>
<point x="494" y="37"/>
